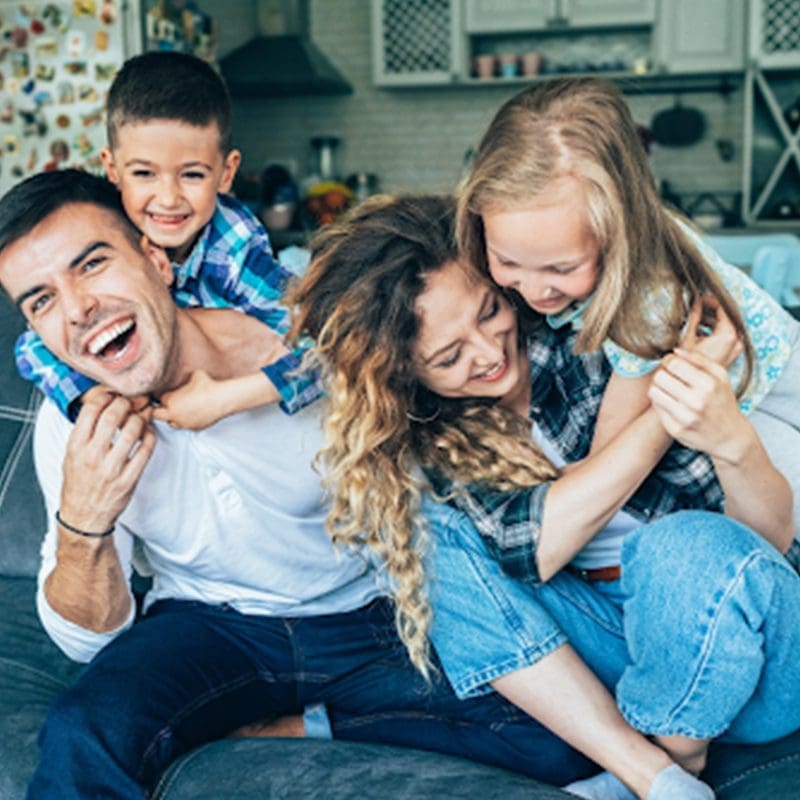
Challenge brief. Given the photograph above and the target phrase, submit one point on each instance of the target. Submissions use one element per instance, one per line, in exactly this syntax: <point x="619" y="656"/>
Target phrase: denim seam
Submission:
<point x="733" y="780"/>
<point x="588" y="611"/>
<point x="475" y="680"/>
<point x="668" y="728"/>
<point x="198" y="702"/>
<point x="510" y="613"/>
<point x="357" y="722"/>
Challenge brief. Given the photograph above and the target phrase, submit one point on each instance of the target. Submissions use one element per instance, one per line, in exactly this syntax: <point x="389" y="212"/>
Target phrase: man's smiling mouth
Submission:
<point x="111" y="341"/>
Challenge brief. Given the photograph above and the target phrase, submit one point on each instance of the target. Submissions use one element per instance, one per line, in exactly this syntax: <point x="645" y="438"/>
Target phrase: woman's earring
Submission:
<point x="426" y="414"/>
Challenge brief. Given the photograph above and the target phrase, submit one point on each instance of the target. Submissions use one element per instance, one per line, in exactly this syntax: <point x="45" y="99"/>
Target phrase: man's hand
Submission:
<point x="107" y="450"/>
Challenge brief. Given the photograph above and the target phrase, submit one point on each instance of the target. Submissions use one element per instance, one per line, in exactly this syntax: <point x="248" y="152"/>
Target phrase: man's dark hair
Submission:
<point x="30" y="202"/>
<point x="169" y="85"/>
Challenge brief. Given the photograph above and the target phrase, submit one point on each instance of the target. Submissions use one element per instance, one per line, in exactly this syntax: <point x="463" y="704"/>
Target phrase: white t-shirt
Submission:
<point x="232" y="514"/>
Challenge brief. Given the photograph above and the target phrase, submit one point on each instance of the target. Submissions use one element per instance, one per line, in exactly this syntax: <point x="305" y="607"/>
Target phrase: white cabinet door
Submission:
<point x="417" y="42"/>
<point x="775" y="33"/>
<point x="609" y="13"/>
<point x="707" y="36"/>
<point x="492" y="16"/>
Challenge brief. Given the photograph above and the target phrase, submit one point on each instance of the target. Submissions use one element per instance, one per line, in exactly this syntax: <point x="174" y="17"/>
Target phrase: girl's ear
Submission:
<point x="229" y="168"/>
<point x="158" y="256"/>
<point x="107" y="157"/>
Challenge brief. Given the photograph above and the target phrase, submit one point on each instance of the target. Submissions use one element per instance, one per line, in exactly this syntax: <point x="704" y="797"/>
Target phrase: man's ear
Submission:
<point x="229" y="168"/>
<point x="159" y="258"/>
<point x="107" y="157"/>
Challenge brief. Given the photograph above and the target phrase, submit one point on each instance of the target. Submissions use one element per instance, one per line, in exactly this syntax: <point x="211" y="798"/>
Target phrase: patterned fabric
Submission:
<point x="566" y="393"/>
<point x="771" y="329"/>
<point x="231" y="265"/>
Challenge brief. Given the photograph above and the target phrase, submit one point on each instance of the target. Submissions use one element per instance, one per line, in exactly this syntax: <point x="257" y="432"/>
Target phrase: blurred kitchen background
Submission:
<point x="337" y="99"/>
<point x="412" y="84"/>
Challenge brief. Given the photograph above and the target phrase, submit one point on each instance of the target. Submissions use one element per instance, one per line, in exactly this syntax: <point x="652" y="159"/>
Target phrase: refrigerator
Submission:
<point x="57" y="61"/>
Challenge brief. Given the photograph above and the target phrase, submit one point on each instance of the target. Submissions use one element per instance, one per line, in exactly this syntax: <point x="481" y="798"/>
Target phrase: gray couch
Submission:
<point x="33" y="671"/>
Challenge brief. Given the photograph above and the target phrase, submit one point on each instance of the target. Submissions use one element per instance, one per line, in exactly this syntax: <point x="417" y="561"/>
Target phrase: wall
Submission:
<point x="416" y="139"/>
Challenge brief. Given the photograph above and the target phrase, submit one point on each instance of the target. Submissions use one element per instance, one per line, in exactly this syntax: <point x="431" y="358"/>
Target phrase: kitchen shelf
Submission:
<point x="771" y="179"/>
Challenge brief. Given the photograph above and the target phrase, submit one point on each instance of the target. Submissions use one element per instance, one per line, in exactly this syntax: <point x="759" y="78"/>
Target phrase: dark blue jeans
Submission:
<point x="189" y="673"/>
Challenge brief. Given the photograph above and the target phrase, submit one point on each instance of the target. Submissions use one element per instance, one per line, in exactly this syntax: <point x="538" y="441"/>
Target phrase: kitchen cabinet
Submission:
<point x="771" y="179"/>
<point x="697" y="37"/>
<point x="775" y="33"/>
<point x="488" y="16"/>
<point x="771" y="164"/>
<point x="417" y="42"/>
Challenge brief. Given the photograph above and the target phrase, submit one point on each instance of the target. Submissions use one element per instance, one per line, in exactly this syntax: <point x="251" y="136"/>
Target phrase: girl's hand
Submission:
<point x="709" y="331"/>
<point x="695" y="402"/>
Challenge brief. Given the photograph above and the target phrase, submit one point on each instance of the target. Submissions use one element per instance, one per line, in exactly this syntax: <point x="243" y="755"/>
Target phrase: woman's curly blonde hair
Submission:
<point x="382" y="425"/>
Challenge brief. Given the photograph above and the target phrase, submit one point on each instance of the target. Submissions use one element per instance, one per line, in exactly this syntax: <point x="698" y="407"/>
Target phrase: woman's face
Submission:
<point x="467" y="341"/>
<point x="546" y="252"/>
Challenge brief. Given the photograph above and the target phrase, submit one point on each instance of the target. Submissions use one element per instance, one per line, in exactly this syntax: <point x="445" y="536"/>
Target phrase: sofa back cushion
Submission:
<point x="22" y="515"/>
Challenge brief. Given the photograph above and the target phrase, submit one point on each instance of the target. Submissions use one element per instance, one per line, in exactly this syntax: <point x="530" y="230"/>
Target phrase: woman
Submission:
<point x="425" y="369"/>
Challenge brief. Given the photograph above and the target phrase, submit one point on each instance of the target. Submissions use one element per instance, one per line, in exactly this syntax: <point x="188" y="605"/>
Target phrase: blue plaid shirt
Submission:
<point x="231" y="265"/>
<point x="565" y="399"/>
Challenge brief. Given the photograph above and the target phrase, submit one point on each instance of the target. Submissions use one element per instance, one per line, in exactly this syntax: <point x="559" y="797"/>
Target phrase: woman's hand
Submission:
<point x="695" y="402"/>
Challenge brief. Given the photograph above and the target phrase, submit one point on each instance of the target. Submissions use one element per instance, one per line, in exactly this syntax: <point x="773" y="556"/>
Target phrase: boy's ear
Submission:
<point x="232" y="161"/>
<point x="107" y="157"/>
<point x="160" y="259"/>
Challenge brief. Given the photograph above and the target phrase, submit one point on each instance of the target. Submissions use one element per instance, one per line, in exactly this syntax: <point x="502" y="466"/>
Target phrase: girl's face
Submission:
<point x="546" y="252"/>
<point x="467" y="341"/>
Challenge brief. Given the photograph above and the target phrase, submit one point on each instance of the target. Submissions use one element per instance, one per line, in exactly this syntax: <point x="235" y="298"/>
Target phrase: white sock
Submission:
<point x="673" y="781"/>
<point x="604" y="786"/>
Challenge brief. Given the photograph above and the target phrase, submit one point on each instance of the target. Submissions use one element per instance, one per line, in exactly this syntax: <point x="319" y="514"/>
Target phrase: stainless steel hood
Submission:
<point x="283" y="60"/>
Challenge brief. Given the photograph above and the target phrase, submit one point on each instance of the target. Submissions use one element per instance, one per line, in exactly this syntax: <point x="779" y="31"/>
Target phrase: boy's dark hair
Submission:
<point x="30" y="202"/>
<point x="169" y="85"/>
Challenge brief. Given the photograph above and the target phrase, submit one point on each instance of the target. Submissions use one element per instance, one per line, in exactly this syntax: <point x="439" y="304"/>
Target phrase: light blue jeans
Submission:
<point x="700" y="637"/>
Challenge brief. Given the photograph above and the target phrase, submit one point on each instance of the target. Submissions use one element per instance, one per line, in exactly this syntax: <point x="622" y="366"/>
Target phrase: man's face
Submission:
<point x="99" y="302"/>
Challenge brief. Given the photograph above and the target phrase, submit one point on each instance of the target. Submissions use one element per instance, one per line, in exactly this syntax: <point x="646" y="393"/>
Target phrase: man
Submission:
<point x="252" y="613"/>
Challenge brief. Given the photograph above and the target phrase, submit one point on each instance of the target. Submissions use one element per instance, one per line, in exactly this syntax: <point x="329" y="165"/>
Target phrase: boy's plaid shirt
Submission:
<point x="565" y="398"/>
<point x="231" y="265"/>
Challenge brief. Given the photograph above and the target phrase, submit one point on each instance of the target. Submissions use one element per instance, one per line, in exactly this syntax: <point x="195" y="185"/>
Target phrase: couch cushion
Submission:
<point x="293" y="769"/>
<point x="32" y="672"/>
<point x="22" y="516"/>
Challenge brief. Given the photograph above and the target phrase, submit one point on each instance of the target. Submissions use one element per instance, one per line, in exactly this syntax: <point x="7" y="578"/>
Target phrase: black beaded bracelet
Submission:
<point x="88" y="534"/>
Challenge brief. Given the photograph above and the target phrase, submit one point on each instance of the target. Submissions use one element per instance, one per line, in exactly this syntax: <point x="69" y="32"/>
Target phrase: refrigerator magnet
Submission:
<point x="108" y="12"/>
<point x="75" y="67"/>
<point x="63" y="121"/>
<point x="76" y="44"/>
<point x="101" y="41"/>
<point x="10" y="144"/>
<point x="66" y="93"/>
<point x="84" y="8"/>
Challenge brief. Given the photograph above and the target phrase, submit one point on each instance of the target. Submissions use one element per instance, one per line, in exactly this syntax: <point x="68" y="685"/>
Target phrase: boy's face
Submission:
<point x="168" y="173"/>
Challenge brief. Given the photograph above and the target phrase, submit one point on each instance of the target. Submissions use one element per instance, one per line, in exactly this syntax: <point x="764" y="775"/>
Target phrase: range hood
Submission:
<point x="282" y="61"/>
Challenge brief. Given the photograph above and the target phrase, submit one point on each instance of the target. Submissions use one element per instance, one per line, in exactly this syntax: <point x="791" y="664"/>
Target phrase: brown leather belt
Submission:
<point x="606" y="574"/>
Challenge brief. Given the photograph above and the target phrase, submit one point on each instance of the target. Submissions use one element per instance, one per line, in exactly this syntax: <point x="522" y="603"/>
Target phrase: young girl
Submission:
<point x="561" y="207"/>
<point x="424" y="368"/>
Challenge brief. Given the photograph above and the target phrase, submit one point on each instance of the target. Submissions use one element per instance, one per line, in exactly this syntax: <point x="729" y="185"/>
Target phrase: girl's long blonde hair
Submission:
<point x="357" y="301"/>
<point x="582" y="127"/>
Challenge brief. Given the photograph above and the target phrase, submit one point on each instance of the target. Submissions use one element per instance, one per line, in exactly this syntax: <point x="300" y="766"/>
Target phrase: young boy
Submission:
<point x="170" y="156"/>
